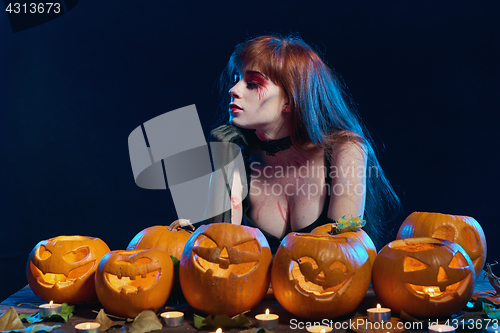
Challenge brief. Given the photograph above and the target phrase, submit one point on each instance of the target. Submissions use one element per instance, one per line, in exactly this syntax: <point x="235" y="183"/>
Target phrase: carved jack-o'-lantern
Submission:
<point x="128" y="282"/>
<point x="62" y="269"/>
<point x="425" y="277"/>
<point x="316" y="276"/>
<point x="225" y="268"/>
<point x="464" y="230"/>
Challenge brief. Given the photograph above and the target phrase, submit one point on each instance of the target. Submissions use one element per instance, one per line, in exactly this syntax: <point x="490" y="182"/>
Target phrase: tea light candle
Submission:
<point x="87" y="328"/>
<point x="50" y="309"/>
<point x="441" y="328"/>
<point x="379" y="314"/>
<point x="319" y="329"/>
<point x="267" y="321"/>
<point x="173" y="318"/>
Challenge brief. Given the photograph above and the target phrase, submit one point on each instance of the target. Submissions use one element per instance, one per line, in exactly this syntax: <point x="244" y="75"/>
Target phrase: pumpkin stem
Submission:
<point x="180" y="223"/>
<point x="334" y="230"/>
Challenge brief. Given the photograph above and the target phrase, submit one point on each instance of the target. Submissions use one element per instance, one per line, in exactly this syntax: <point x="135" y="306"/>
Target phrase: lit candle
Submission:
<point x="319" y="329"/>
<point x="441" y="328"/>
<point x="267" y="321"/>
<point x="50" y="309"/>
<point x="219" y="330"/>
<point x="87" y="328"/>
<point x="379" y="314"/>
<point x="173" y="318"/>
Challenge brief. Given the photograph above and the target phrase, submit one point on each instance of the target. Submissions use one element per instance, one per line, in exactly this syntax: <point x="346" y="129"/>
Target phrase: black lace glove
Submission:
<point x="230" y="133"/>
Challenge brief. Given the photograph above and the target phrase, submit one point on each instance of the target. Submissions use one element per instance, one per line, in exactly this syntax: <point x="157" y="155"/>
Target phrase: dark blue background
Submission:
<point x="425" y="75"/>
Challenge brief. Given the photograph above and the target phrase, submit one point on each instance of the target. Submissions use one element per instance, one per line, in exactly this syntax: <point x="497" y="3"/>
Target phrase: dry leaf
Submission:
<point x="104" y="321"/>
<point x="146" y="321"/>
<point x="10" y="320"/>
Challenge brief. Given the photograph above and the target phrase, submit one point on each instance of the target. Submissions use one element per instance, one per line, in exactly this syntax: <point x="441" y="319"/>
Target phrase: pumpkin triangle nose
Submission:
<point x="442" y="276"/>
<point x="224" y="253"/>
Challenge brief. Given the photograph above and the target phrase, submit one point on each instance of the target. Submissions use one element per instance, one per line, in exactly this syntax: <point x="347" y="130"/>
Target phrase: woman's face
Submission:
<point x="256" y="103"/>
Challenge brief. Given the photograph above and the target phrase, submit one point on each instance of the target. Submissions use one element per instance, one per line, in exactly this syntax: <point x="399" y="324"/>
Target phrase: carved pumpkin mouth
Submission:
<point x="318" y="285"/>
<point x="128" y="281"/>
<point x="59" y="280"/>
<point x="436" y="294"/>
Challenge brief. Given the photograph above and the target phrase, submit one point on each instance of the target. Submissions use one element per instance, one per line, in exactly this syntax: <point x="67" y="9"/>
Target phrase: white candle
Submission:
<point x="267" y="321"/>
<point x="173" y="318"/>
<point x="87" y="328"/>
<point x="319" y="329"/>
<point x="441" y="329"/>
<point x="50" y="309"/>
<point x="379" y="314"/>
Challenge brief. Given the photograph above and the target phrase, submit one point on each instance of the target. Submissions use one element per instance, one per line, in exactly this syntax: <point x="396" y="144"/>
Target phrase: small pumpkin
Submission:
<point x="464" y="230"/>
<point x="130" y="281"/>
<point x="62" y="269"/>
<point x="316" y="276"/>
<point x="424" y="277"/>
<point x="358" y="234"/>
<point x="171" y="240"/>
<point x="225" y="268"/>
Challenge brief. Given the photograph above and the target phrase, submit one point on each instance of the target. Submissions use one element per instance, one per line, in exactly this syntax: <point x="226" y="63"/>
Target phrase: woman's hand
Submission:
<point x="229" y="133"/>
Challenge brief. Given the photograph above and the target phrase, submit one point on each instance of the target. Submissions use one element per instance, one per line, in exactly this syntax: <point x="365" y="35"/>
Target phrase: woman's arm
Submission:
<point x="348" y="188"/>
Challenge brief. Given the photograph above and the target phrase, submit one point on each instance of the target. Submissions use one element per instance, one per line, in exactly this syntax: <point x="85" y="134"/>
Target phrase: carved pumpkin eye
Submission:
<point x="412" y="264"/>
<point x="239" y="259"/>
<point x="458" y="261"/>
<point x="42" y="253"/>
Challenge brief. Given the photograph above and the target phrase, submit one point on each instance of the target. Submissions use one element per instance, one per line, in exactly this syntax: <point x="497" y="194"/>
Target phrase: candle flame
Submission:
<point x="323" y="331"/>
<point x="168" y="316"/>
<point x="87" y="327"/>
<point x="50" y="304"/>
<point x="267" y="312"/>
<point x="378" y="306"/>
<point x="219" y="330"/>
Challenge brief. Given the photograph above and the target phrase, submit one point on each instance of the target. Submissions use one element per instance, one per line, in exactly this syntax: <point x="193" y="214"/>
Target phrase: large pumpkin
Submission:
<point x="62" y="269"/>
<point x="128" y="282"/>
<point x="317" y="276"/>
<point x="172" y="241"/>
<point x="225" y="268"/>
<point x="360" y="235"/>
<point x="463" y="230"/>
<point x="424" y="277"/>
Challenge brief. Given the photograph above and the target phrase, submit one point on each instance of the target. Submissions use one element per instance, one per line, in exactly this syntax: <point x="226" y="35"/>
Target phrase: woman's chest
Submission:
<point x="287" y="197"/>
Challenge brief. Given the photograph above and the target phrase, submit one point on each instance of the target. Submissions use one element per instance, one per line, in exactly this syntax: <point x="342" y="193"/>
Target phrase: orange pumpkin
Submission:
<point x="62" y="269"/>
<point x="225" y="268"/>
<point x="424" y="277"/>
<point x="128" y="282"/>
<point x="464" y="230"/>
<point x="317" y="276"/>
<point x="172" y="241"/>
<point x="360" y="235"/>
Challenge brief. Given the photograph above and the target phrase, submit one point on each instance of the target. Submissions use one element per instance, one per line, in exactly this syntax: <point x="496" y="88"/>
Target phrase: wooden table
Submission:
<point x="287" y="323"/>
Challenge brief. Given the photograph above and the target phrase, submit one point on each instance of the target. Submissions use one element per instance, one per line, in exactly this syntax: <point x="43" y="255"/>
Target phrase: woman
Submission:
<point x="308" y="160"/>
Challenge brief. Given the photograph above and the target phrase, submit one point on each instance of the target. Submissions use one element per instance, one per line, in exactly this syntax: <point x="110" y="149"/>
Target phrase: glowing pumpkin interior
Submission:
<point x="49" y="270"/>
<point x="311" y="279"/>
<point x="446" y="287"/>
<point x="239" y="259"/>
<point x="132" y="276"/>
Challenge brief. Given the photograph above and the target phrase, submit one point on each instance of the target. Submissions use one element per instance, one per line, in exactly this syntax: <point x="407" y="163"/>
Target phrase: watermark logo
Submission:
<point x="28" y="14"/>
<point x="171" y="149"/>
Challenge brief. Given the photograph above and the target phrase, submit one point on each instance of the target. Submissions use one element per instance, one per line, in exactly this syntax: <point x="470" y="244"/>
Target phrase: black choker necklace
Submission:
<point x="271" y="147"/>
